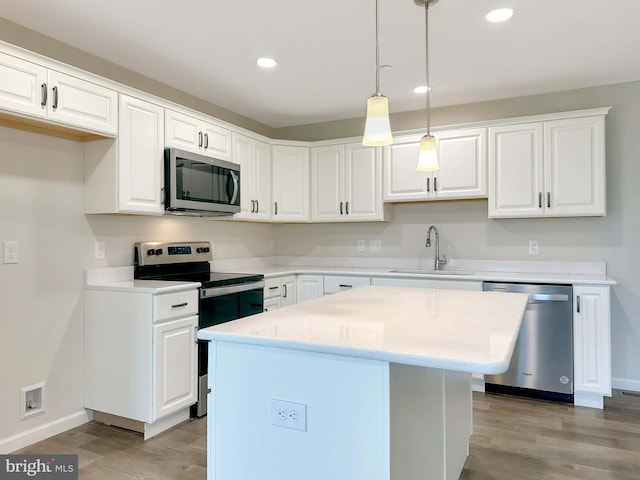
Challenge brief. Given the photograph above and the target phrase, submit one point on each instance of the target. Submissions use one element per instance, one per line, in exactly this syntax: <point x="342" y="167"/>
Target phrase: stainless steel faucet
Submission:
<point x="438" y="260"/>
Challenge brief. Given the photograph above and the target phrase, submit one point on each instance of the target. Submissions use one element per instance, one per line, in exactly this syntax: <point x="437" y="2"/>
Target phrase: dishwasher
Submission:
<point x="542" y="361"/>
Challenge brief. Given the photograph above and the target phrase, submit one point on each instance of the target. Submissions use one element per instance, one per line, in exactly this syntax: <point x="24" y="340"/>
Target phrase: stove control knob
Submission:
<point x="199" y="250"/>
<point x="151" y="251"/>
<point x="206" y="249"/>
<point x="158" y="251"/>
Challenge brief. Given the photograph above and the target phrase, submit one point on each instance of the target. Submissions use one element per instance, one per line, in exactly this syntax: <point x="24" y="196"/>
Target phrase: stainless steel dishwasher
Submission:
<point x="542" y="362"/>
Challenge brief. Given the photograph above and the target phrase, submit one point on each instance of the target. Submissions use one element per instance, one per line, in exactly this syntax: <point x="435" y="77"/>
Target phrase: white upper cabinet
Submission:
<point x="254" y="158"/>
<point x="290" y="184"/>
<point x="346" y="183"/>
<point x="22" y="86"/>
<point x="194" y="135"/>
<point x="30" y="89"/>
<point x="462" y="157"/>
<point x="140" y="156"/>
<point x="551" y="168"/>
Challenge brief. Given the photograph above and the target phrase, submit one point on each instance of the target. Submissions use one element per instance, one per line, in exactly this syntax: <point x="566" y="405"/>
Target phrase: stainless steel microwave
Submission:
<point x="199" y="185"/>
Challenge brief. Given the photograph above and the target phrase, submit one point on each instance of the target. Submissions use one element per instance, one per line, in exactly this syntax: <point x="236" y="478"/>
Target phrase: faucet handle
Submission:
<point x="442" y="260"/>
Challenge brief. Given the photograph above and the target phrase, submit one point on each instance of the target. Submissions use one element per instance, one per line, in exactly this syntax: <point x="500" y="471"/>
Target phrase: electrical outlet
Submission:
<point x="533" y="247"/>
<point x="10" y="251"/>
<point x="100" y="251"/>
<point x="375" y="245"/>
<point x="272" y="245"/>
<point x="361" y="246"/>
<point x="289" y="415"/>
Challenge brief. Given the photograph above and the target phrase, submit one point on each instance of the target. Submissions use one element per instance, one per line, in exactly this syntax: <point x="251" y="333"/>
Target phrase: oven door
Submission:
<point x="219" y="305"/>
<point x="195" y="183"/>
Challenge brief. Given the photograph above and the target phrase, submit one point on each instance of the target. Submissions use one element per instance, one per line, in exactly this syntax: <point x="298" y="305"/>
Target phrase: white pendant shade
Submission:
<point x="428" y="157"/>
<point x="377" y="129"/>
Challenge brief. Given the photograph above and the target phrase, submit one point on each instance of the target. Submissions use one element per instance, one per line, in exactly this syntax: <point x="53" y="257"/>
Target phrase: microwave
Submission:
<point x="200" y="186"/>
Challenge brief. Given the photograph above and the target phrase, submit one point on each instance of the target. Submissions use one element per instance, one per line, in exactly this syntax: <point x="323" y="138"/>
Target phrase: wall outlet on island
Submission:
<point x="289" y="415"/>
<point x="533" y="247"/>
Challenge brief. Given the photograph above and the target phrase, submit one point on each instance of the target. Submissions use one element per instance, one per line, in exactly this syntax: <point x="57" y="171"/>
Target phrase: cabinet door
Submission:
<point x="21" y="86"/>
<point x="574" y="167"/>
<point x="242" y="155"/>
<point x="83" y="104"/>
<point x="182" y="131"/>
<point x="462" y="155"/>
<point x="288" y="291"/>
<point x="309" y="287"/>
<point x="327" y="184"/>
<point x="290" y="184"/>
<point x="363" y="183"/>
<point x="262" y="180"/>
<point x="272" y="304"/>
<point x="140" y="156"/>
<point x="592" y="340"/>
<point x="175" y="366"/>
<point x="216" y="142"/>
<point x="402" y="181"/>
<point x="516" y="171"/>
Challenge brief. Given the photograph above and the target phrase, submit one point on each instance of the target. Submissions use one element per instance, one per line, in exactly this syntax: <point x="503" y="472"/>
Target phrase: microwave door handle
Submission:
<point x="234" y="195"/>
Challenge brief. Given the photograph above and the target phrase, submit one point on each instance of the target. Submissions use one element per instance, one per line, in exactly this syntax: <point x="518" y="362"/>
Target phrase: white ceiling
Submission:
<point x="326" y="49"/>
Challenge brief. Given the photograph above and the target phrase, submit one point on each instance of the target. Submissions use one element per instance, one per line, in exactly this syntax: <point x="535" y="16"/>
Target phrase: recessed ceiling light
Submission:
<point x="422" y="89"/>
<point x="266" y="62"/>
<point x="499" y="15"/>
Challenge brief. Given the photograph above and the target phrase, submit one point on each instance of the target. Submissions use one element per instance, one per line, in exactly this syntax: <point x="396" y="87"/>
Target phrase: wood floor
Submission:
<point x="514" y="439"/>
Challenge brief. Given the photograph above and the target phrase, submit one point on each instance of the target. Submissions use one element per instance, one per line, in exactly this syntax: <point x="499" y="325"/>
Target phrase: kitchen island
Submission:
<point x="373" y="383"/>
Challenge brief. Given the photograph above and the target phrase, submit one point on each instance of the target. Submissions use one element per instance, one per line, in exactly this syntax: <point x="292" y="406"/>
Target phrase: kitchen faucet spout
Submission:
<point x="438" y="259"/>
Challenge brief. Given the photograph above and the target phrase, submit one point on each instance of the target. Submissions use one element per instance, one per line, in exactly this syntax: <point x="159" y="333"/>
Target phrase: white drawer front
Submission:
<point x="339" y="283"/>
<point x="272" y="287"/>
<point x="175" y="305"/>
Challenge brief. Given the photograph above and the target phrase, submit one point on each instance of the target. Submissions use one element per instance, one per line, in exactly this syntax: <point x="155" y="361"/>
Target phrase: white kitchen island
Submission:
<point x="376" y="384"/>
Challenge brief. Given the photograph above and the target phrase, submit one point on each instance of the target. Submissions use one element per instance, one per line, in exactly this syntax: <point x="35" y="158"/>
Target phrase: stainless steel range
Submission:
<point x="223" y="296"/>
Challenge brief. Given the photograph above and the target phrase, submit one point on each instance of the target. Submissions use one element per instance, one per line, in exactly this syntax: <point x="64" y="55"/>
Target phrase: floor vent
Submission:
<point x="626" y="393"/>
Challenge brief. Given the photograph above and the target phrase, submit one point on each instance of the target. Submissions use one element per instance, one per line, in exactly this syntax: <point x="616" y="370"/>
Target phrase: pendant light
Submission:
<point x="428" y="157"/>
<point x="377" y="129"/>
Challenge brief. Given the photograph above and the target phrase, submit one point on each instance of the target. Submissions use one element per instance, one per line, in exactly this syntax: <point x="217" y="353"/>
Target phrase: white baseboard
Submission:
<point x="24" y="439"/>
<point x="625" y="384"/>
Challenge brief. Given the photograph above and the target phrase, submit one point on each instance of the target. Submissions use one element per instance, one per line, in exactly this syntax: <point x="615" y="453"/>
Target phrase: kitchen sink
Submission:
<point x="432" y="272"/>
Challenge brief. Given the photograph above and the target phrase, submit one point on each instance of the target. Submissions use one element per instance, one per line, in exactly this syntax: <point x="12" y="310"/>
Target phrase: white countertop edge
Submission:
<point x="392" y="357"/>
<point x="120" y="279"/>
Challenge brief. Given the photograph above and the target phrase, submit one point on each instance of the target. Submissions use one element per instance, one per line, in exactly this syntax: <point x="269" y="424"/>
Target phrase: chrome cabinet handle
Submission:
<point x="284" y="293"/>
<point x="199" y="139"/>
<point x="195" y="334"/>
<point x="275" y="212"/>
<point x="428" y="186"/>
<point x="345" y="286"/>
<point x="273" y="288"/>
<point x="347" y="205"/>
<point x="578" y="304"/>
<point x="206" y="141"/>
<point x="180" y="305"/>
<point x="435" y="184"/>
<point x="539" y="199"/>
<point x="341" y="212"/>
<point x="253" y="206"/>
<point x="257" y="206"/>
<point x="55" y="98"/>
<point x="548" y="199"/>
<point x="44" y="95"/>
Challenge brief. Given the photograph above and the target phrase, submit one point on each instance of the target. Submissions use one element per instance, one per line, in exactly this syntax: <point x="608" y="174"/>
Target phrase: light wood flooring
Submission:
<point x="514" y="439"/>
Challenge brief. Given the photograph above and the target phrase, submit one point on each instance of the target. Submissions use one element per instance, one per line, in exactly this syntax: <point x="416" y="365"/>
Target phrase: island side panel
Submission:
<point x="347" y="410"/>
<point x="431" y="422"/>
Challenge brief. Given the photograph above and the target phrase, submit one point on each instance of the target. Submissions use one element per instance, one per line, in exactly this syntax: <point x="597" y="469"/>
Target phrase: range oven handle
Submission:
<point x="234" y="195"/>
<point x="228" y="290"/>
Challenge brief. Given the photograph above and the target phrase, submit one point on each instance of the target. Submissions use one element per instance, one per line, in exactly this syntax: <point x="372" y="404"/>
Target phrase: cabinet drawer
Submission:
<point x="271" y="304"/>
<point x="272" y="287"/>
<point x="339" y="283"/>
<point x="174" y="305"/>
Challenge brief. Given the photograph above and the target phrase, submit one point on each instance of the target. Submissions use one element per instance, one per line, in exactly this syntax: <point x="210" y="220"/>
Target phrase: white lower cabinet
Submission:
<point x="309" y="287"/>
<point x="341" y="283"/>
<point x="279" y="292"/>
<point x="140" y="358"/>
<point x="592" y="345"/>
<point x="288" y="296"/>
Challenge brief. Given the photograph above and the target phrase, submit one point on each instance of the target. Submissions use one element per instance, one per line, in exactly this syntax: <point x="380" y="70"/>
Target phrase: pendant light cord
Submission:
<point x="426" y="29"/>
<point x="377" y="49"/>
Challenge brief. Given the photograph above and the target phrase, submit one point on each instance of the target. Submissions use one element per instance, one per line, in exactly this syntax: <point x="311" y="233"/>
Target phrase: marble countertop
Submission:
<point x="120" y="279"/>
<point x="449" y="329"/>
